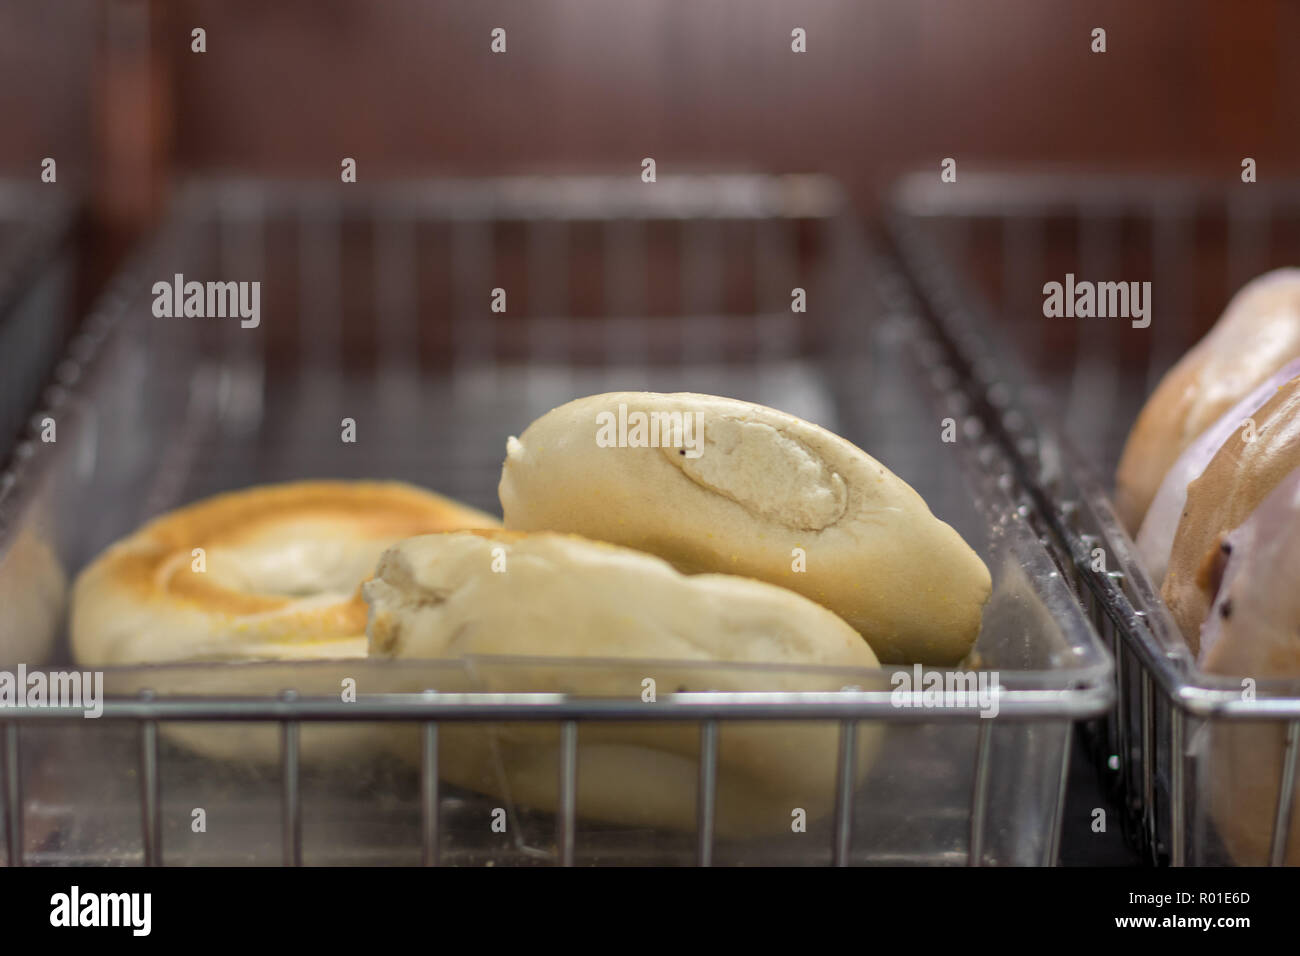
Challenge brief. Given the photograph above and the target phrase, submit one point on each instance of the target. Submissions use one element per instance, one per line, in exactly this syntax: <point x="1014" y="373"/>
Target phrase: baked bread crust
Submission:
<point x="769" y="496"/>
<point x="1251" y="463"/>
<point x="1258" y="333"/>
<point x="532" y="596"/>
<point x="33" y="595"/>
<point x="1253" y="631"/>
<point x="278" y="578"/>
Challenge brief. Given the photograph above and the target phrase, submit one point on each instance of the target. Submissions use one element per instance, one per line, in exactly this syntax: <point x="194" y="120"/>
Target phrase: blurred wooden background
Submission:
<point x="410" y="87"/>
<point x="111" y="89"/>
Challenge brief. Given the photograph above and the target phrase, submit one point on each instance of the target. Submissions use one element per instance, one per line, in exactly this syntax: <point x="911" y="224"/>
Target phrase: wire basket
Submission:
<point x="1207" y="775"/>
<point x="376" y="307"/>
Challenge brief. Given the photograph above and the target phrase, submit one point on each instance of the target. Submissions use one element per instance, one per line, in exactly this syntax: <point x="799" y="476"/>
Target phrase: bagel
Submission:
<point x="743" y="489"/>
<point x="33" y="591"/>
<point x="1155" y="539"/>
<point x="1252" y="631"/>
<point x="267" y="573"/>
<point x="1253" y="627"/>
<point x="283" y="566"/>
<point x="533" y="596"/>
<point x="1258" y="333"/>
<point x="1249" y="465"/>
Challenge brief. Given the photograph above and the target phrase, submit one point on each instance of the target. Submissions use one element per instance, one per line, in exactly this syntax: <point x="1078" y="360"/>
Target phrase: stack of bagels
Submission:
<point x="1209" y="482"/>
<point x="729" y="533"/>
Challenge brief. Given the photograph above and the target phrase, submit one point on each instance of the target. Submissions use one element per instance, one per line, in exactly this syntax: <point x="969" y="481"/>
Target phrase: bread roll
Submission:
<point x="278" y="574"/>
<point x="534" y="596"/>
<point x="1251" y="463"/>
<point x="1258" y="333"/>
<point x="743" y="489"/>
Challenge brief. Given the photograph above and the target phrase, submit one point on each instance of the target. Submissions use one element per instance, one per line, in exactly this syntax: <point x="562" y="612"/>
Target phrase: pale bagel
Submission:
<point x="33" y="592"/>
<point x="761" y="494"/>
<point x="535" y="596"/>
<point x="1258" y="333"/>
<point x="278" y="574"/>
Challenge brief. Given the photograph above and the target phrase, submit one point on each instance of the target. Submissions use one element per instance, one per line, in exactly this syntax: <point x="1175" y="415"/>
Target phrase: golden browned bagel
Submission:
<point x="1253" y="633"/>
<point x="269" y="572"/>
<point x="1251" y="463"/>
<point x="1258" y="333"/>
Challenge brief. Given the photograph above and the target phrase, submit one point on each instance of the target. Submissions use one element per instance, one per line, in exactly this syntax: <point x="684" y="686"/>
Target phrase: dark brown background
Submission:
<point x="409" y="87"/>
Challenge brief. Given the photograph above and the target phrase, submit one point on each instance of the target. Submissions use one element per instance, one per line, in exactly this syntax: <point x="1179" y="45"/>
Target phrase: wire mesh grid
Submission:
<point x="377" y="308"/>
<point x="1178" y="736"/>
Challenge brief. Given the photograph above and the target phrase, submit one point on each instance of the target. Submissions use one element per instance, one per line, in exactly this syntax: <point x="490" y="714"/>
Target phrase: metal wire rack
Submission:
<point x="376" y="307"/>
<point x="979" y="257"/>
